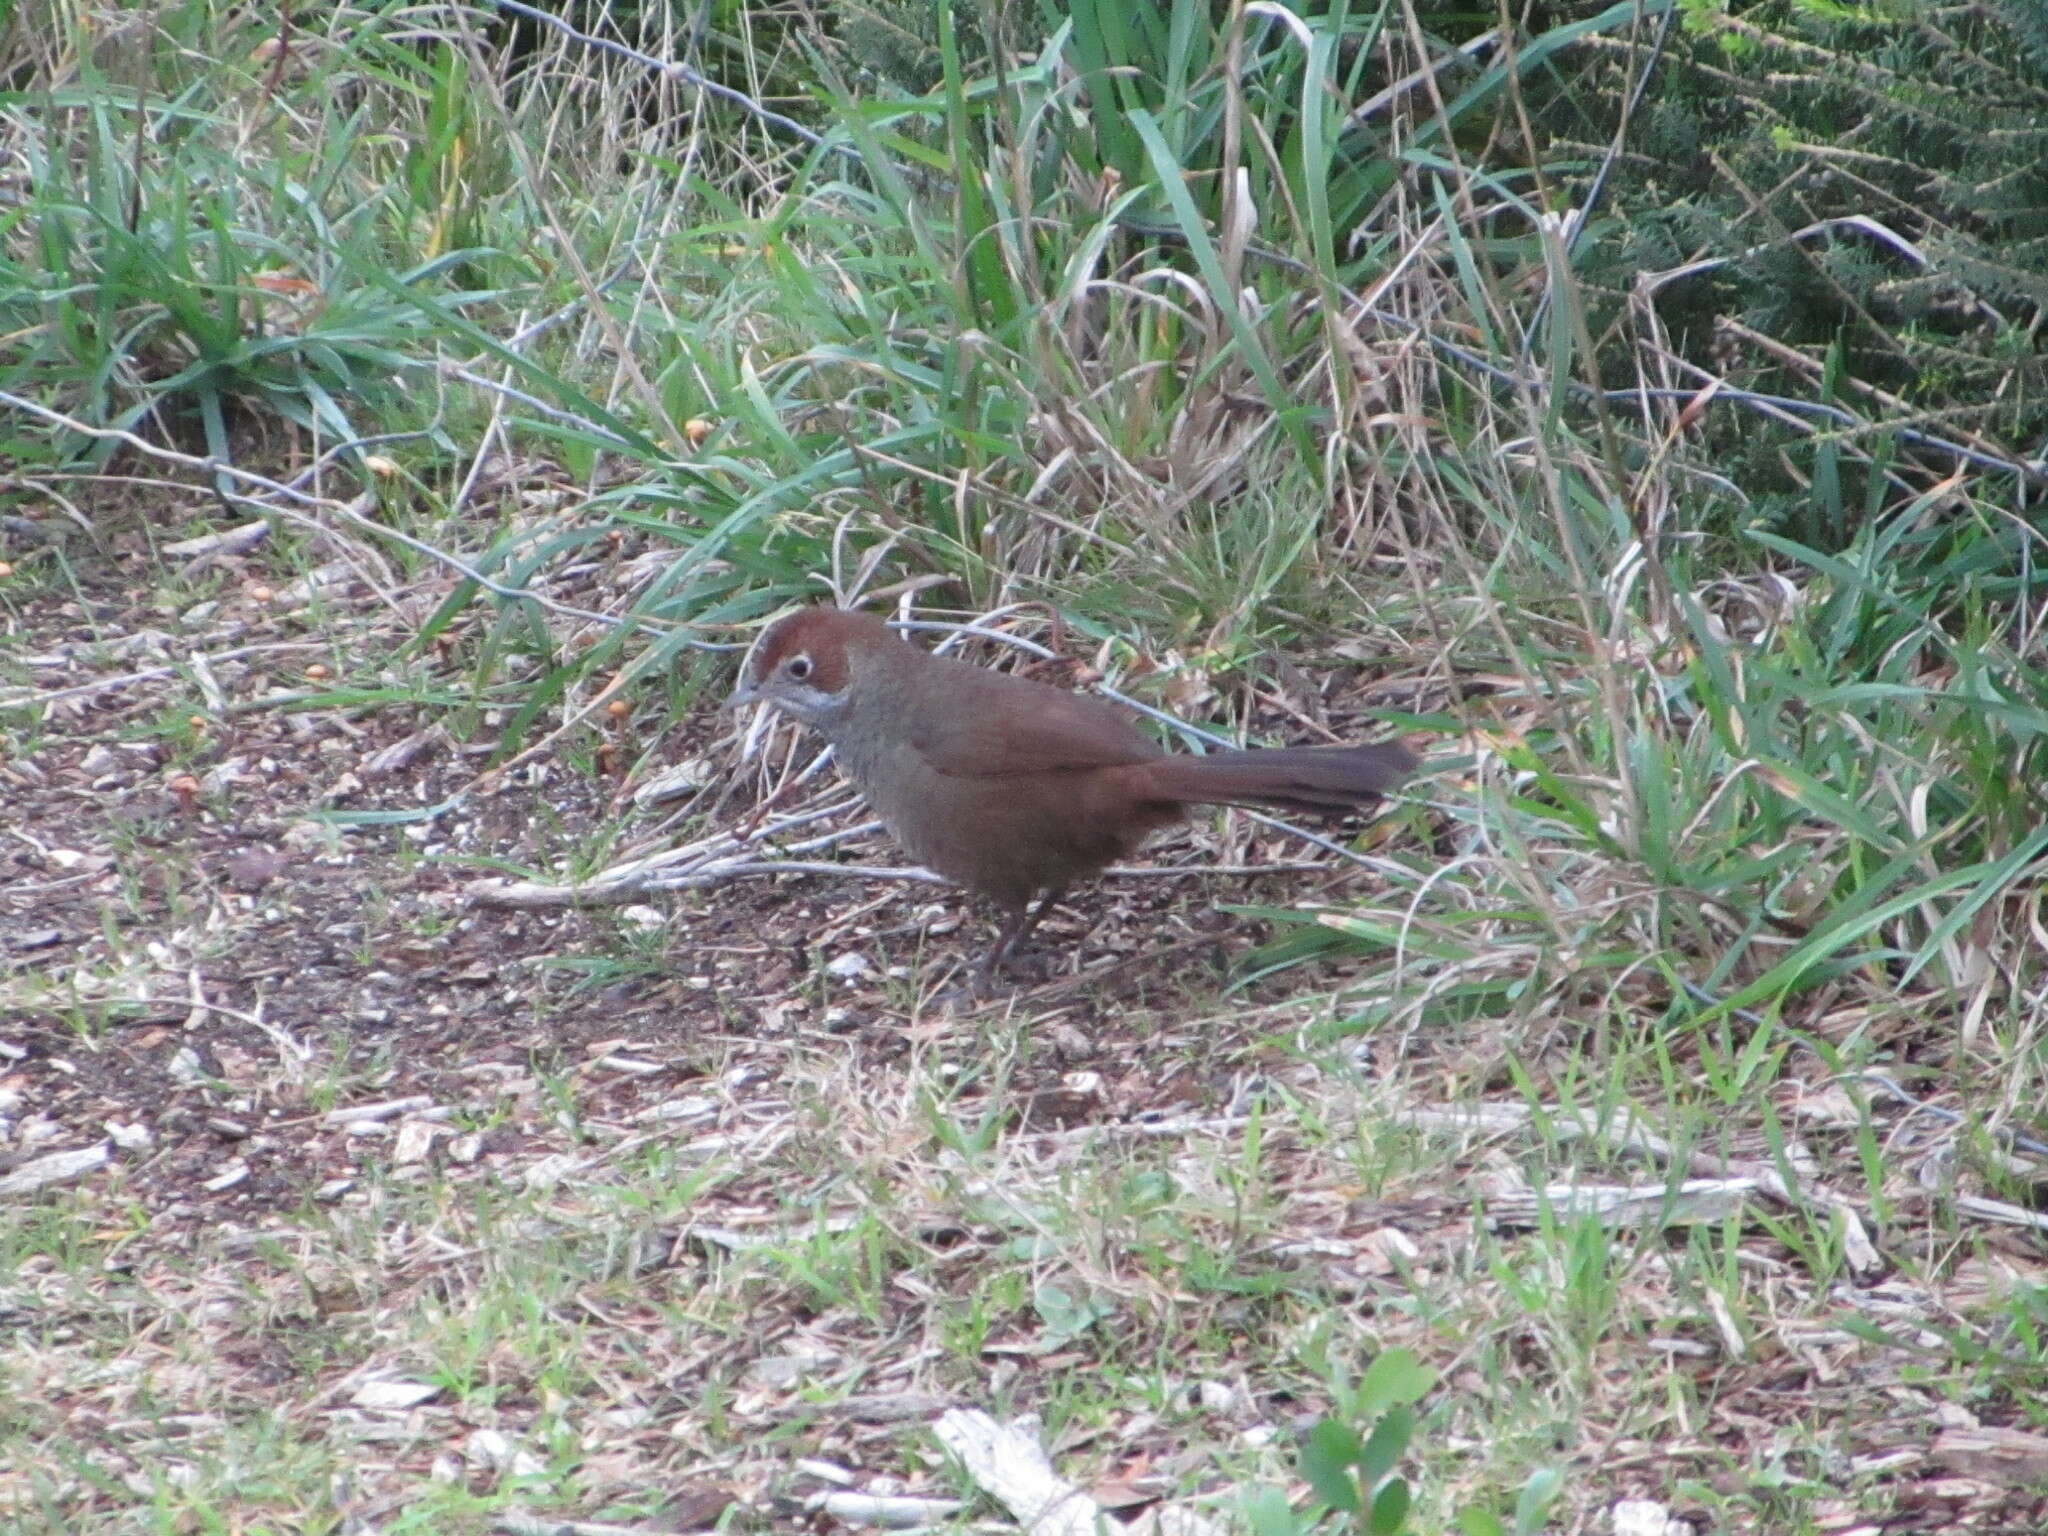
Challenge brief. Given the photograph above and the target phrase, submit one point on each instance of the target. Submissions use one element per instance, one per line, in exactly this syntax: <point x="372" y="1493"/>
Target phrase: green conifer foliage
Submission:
<point x="1875" y="176"/>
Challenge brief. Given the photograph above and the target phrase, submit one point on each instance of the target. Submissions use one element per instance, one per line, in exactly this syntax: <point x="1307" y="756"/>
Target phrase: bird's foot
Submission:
<point x="1030" y="965"/>
<point x="997" y="977"/>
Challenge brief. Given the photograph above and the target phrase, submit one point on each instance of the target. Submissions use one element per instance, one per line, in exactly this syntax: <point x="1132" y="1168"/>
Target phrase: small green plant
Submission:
<point x="1354" y="1476"/>
<point x="1352" y="1473"/>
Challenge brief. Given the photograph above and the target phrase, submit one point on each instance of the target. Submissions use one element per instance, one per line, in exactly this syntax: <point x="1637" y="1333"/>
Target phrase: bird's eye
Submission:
<point x="797" y="668"/>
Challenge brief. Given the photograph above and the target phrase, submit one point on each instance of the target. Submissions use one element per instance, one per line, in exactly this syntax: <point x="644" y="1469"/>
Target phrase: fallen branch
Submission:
<point x="1007" y="1462"/>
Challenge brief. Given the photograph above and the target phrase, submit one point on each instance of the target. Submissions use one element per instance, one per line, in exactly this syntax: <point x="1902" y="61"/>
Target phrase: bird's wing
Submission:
<point x="995" y="725"/>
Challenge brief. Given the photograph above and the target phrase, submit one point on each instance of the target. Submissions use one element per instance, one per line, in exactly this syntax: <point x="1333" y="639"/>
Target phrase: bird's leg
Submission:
<point x="1045" y="905"/>
<point x="1017" y="927"/>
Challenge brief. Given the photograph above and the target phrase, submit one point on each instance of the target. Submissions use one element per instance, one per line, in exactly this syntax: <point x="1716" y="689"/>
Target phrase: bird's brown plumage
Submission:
<point x="1009" y="787"/>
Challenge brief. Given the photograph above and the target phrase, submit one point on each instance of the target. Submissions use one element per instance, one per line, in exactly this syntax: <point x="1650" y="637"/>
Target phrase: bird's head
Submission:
<point x="806" y="663"/>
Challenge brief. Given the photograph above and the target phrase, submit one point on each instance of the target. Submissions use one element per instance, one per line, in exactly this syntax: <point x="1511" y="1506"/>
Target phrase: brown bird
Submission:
<point x="1011" y="788"/>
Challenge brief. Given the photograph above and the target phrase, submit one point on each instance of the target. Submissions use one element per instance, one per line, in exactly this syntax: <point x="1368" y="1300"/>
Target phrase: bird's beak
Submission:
<point x="741" y="696"/>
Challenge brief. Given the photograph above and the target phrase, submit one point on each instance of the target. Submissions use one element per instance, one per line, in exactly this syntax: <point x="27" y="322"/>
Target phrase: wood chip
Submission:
<point x="1646" y="1517"/>
<point x="385" y="1110"/>
<point x="2000" y="1211"/>
<point x="234" y="1173"/>
<point x="2012" y="1458"/>
<point x="53" y="1168"/>
<point x="400" y="754"/>
<point x="886" y="1407"/>
<point x="415" y="1141"/>
<point x="229" y="541"/>
<point x="521" y="1522"/>
<point x="393" y="1394"/>
<point x="895" y="1512"/>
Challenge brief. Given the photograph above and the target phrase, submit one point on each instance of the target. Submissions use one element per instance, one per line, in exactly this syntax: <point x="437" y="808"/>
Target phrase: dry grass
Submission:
<point x="1661" y="1073"/>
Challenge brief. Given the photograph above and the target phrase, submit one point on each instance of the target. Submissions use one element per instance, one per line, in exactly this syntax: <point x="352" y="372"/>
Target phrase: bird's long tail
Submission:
<point x="1281" y="778"/>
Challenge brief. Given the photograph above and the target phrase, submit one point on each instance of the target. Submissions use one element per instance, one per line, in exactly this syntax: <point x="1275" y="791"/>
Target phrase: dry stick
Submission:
<point x="1094" y="975"/>
<point x="621" y="884"/>
<point x="2033" y="1146"/>
<point x="1464" y="53"/>
<point x="1006" y="498"/>
<point x="1812" y="367"/>
<point x="196" y="1003"/>
<point x="53" y="1168"/>
<point x="1702" y="1199"/>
